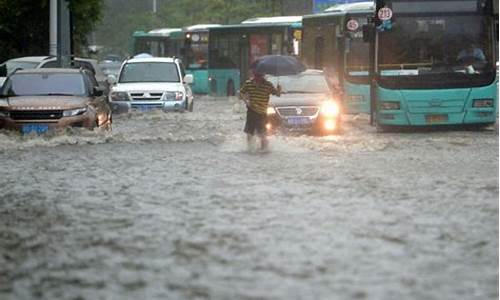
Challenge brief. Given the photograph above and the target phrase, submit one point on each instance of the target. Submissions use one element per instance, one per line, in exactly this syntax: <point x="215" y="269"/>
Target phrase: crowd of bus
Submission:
<point x="425" y="71"/>
<point x="425" y="64"/>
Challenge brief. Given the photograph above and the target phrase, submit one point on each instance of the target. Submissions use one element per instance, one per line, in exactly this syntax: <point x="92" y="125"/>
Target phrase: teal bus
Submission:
<point x="434" y="63"/>
<point x="164" y="42"/>
<point x="195" y="55"/>
<point x="232" y="48"/>
<point x="333" y="41"/>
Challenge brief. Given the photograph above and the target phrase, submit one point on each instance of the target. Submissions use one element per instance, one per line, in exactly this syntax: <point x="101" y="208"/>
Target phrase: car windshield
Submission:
<point x="44" y="84"/>
<point x="301" y="83"/>
<point x="14" y="65"/>
<point x="149" y="72"/>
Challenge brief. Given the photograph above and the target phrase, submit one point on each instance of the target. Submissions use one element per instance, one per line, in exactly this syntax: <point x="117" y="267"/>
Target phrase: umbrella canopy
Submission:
<point x="277" y="65"/>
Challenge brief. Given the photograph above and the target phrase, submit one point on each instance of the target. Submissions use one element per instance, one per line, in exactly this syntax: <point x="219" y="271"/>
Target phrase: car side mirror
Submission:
<point x="98" y="91"/>
<point x="111" y="79"/>
<point x="189" y="79"/>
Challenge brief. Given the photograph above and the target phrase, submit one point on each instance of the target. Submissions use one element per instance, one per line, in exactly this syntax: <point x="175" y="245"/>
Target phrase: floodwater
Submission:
<point x="173" y="206"/>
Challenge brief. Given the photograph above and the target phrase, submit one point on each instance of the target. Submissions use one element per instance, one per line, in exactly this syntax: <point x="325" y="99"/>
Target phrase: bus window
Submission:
<point x="258" y="46"/>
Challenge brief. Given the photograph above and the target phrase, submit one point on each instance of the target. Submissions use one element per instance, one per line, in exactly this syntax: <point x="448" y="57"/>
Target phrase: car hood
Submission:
<point x="149" y="86"/>
<point x="44" y="102"/>
<point x="298" y="99"/>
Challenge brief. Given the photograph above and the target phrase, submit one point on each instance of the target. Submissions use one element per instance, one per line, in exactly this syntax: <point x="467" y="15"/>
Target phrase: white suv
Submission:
<point x="152" y="83"/>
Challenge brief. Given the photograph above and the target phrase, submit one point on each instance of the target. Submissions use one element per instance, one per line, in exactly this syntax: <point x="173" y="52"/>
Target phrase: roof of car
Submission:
<point x="48" y="70"/>
<point x="152" y="59"/>
<point x="30" y="58"/>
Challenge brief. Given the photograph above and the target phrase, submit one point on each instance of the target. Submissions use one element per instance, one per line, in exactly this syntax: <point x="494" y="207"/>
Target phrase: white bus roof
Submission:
<point x="200" y="27"/>
<point x="164" y="31"/>
<point x="271" y="20"/>
<point x="350" y="7"/>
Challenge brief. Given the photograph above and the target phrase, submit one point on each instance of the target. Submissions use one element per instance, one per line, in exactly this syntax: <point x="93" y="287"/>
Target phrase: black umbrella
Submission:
<point x="277" y="65"/>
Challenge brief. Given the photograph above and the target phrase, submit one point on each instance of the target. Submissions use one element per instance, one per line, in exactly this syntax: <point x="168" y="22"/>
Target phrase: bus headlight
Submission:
<point x="330" y="109"/>
<point x="271" y="110"/>
<point x="389" y="105"/>
<point x="482" y="103"/>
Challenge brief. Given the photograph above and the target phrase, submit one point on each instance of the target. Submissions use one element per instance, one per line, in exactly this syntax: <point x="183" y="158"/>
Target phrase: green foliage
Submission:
<point x="116" y="30"/>
<point x="24" y="25"/>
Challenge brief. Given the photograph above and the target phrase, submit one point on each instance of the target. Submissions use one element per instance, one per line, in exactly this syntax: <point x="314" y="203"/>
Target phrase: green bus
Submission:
<point x="333" y="41"/>
<point x="434" y="63"/>
<point x="164" y="42"/>
<point x="195" y="55"/>
<point x="232" y="48"/>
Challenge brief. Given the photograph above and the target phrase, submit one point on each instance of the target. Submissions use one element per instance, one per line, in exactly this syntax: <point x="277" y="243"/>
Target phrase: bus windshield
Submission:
<point x="197" y="51"/>
<point x="426" y="51"/>
<point x="357" y="57"/>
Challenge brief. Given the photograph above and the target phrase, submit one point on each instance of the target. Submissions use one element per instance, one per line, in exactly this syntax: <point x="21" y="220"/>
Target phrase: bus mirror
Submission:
<point x="367" y="33"/>
<point x="189" y="79"/>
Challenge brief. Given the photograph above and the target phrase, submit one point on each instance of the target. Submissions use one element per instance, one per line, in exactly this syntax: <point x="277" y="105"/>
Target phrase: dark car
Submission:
<point x="307" y="104"/>
<point x="38" y="100"/>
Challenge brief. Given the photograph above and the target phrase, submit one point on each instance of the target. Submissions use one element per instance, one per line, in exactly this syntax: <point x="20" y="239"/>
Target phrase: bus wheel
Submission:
<point x="230" y="88"/>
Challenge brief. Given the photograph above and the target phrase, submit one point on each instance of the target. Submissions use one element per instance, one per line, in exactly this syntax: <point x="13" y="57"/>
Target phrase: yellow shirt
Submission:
<point x="258" y="94"/>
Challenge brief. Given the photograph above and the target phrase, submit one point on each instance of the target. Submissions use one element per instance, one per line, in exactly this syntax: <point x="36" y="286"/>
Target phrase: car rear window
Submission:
<point x="44" y="84"/>
<point x="149" y="72"/>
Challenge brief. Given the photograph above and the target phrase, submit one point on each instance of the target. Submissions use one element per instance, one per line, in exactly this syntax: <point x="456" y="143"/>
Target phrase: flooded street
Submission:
<point x="173" y="206"/>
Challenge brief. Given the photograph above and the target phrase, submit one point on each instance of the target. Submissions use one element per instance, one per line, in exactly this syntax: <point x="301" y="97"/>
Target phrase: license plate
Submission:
<point x="298" y="121"/>
<point x="38" y="128"/>
<point x="436" y="118"/>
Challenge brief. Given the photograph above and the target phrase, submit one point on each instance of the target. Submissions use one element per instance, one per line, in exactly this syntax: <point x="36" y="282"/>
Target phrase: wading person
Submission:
<point x="255" y="92"/>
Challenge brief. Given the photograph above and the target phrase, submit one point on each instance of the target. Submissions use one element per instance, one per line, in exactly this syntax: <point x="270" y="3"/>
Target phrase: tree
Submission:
<point x="24" y="25"/>
<point x="116" y="30"/>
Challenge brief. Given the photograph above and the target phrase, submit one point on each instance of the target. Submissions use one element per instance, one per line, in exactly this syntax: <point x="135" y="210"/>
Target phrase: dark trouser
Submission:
<point x="256" y="123"/>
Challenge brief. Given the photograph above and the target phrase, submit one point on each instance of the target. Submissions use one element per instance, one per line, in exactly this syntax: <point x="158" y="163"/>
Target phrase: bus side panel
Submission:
<point x="220" y="79"/>
<point x="356" y="98"/>
<point x="200" y="84"/>
<point x="436" y="107"/>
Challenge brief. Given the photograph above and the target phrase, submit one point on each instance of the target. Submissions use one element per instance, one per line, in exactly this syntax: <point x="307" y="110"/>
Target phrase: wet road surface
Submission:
<point x="173" y="206"/>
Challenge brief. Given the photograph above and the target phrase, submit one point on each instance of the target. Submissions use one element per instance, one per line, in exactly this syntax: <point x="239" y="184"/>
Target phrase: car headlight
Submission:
<point x="389" y="105"/>
<point x="174" y="96"/>
<point x="330" y="109"/>
<point x="271" y="110"/>
<point x="74" y="112"/>
<point x="4" y="114"/>
<point x="119" y="96"/>
<point x="482" y="103"/>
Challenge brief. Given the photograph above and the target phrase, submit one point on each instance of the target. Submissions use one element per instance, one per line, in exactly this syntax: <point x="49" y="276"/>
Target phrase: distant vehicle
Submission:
<point x="113" y="58"/>
<point x="38" y="100"/>
<point x="333" y="41"/>
<point x="420" y="77"/>
<point x="195" y="55"/>
<point x="37" y="62"/>
<point x="152" y="83"/>
<point x="306" y="104"/>
<point x="233" y="48"/>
